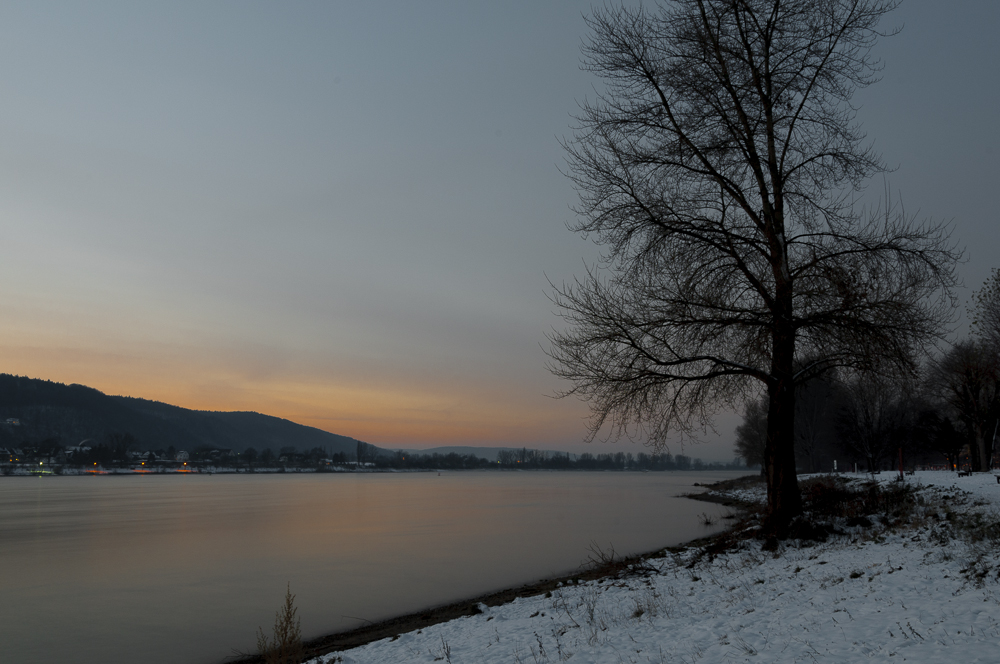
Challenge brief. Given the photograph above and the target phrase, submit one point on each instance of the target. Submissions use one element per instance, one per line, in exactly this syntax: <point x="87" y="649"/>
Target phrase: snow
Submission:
<point x="924" y="593"/>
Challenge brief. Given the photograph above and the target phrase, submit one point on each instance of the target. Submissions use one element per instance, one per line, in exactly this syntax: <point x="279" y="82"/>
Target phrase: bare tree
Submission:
<point x="967" y="378"/>
<point x="986" y="310"/>
<point x="935" y="433"/>
<point x="506" y="457"/>
<point x="751" y="435"/>
<point x="121" y="445"/>
<point x="719" y="168"/>
<point x="365" y="453"/>
<point x="876" y="418"/>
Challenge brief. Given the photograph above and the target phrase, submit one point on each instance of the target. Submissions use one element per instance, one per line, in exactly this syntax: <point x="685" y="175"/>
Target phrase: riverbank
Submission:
<point x="602" y="564"/>
<point x="391" y="629"/>
<point x="915" y="577"/>
<point x="205" y="560"/>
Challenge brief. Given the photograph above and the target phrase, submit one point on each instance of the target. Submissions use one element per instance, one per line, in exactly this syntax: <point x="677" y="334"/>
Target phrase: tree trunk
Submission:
<point x="783" y="499"/>
<point x="981" y="454"/>
<point x="988" y="446"/>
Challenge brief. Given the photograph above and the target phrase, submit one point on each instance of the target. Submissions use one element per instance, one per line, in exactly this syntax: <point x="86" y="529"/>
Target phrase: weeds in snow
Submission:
<point x="285" y="645"/>
<point x="444" y="653"/>
<point x="744" y="647"/>
<point x="599" y="557"/>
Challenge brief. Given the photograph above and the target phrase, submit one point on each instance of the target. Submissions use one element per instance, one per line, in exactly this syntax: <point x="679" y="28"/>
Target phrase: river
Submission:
<point x="183" y="569"/>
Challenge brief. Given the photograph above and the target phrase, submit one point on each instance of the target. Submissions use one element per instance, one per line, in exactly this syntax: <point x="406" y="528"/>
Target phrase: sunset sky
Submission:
<point x="346" y="214"/>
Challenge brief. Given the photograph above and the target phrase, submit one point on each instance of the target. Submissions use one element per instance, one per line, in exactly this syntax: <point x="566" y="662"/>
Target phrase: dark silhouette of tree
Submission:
<point x="506" y="457"/>
<point x="120" y="445"/>
<point x="250" y="455"/>
<point x="986" y="310"/>
<point x="719" y="168"/>
<point x="751" y="435"/>
<point x="817" y="406"/>
<point x="936" y="434"/>
<point x="876" y="418"/>
<point x="365" y="453"/>
<point x="967" y="378"/>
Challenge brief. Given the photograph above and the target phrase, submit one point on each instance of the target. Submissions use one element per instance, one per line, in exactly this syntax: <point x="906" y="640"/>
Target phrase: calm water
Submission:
<point x="183" y="569"/>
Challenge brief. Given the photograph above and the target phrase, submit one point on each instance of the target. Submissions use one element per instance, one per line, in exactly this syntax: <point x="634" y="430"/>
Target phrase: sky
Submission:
<point x="347" y="214"/>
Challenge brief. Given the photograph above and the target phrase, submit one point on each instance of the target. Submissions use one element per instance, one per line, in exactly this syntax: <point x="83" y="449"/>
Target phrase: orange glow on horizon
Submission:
<point x="378" y="416"/>
<point x="389" y="411"/>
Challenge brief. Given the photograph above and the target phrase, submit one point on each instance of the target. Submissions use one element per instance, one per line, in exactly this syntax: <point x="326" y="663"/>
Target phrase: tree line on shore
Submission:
<point x="947" y="413"/>
<point x="121" y="451"/>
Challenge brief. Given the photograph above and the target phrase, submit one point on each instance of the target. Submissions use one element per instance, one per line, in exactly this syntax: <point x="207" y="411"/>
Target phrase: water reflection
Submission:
<point x="183" y="569"/>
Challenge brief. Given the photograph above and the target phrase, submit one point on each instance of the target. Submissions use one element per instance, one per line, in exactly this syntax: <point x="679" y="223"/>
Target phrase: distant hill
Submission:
<point x="69" y="414"/>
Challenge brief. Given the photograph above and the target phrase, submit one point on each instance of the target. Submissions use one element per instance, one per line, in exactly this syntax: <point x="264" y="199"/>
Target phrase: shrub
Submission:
<point x="834" y="497"/>
<point x="285" y="645"/>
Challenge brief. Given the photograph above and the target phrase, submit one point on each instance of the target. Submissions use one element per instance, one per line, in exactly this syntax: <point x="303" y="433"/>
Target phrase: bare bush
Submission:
<point x="285" y="644"/>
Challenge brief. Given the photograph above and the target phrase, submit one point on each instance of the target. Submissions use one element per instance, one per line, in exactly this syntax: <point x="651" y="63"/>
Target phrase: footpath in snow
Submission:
<point x="922" y="589"/>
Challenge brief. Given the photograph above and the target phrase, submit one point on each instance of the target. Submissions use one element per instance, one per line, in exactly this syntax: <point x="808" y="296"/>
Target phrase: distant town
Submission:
<point x="117" y="456"/>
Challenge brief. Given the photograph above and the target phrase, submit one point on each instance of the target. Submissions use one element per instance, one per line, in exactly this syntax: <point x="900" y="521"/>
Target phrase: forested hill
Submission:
<point x="69" y="414"/>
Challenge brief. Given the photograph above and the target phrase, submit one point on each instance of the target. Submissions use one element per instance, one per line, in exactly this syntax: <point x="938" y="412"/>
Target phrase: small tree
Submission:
<point x="719" y="168"/>
<point x="285" y="645"/>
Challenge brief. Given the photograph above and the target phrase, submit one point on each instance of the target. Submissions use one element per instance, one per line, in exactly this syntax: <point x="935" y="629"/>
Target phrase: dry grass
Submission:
<point x="609" y="563"/>
<point x="832" y="505"/>
<point x="833" y="497"/>
<point x="285" y="644"/>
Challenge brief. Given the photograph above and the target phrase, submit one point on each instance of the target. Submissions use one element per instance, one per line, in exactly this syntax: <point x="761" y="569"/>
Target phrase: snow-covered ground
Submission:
<point x="925" y="593"/>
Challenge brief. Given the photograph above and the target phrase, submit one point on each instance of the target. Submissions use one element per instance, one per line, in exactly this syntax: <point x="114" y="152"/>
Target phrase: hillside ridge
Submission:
<point x="45" y="410"/>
